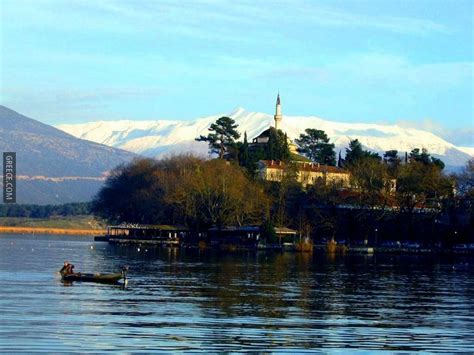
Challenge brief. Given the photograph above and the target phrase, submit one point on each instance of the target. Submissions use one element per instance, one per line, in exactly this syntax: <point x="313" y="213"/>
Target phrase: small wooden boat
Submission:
<point x="97" y="277"/>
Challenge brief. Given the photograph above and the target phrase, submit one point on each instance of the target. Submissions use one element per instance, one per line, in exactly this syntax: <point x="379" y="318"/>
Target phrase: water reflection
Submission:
<point x="203" y="300"/>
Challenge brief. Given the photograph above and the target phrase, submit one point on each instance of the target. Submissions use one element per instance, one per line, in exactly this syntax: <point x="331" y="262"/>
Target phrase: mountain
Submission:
<point x="53" y="166"/>
<point x="161" y="137"/>
<point x="467" y="150"/>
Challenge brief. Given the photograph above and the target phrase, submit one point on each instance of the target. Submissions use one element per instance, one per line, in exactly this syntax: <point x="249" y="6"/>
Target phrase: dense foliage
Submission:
<point x="277" y="147"/>
<point x="181" y="190"/>
<point x="40" y="211"/>
<point x="314" y="144"/>
<point x="355" y="153"/>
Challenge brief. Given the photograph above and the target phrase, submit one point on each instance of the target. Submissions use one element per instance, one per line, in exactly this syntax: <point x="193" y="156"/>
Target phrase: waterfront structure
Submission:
<point x="243" y="237"/>
<point x="250" y="237"/>
<point x="154" y="234"/>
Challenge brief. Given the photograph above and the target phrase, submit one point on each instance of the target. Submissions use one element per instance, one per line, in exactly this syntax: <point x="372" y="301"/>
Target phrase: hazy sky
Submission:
<point x="370" y="61"/>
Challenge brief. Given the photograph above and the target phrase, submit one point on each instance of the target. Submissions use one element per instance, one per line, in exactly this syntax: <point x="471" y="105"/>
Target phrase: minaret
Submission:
<point x="278" y="116"/>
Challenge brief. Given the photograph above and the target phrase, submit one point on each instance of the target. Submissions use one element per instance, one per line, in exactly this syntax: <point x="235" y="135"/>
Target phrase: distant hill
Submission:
<point x="53" y="166"/>
<point x="161" y="137"/>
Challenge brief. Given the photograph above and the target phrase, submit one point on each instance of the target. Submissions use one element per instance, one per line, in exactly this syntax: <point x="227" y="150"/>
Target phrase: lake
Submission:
<point x="191" y="300"/>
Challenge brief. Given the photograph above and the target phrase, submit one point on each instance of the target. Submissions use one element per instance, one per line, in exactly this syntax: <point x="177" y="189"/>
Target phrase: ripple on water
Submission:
<point x="190" y="300"/>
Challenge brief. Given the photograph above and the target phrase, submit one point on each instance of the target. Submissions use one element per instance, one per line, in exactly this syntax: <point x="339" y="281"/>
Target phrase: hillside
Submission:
<point x="53" y="166"/>
<point x="157" y="138"/>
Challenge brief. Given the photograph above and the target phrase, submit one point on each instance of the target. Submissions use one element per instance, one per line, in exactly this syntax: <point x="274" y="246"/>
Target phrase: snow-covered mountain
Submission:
<point x="164" y="137"/>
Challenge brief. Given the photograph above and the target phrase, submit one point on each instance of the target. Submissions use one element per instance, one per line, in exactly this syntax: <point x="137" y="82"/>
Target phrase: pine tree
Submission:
<point x="425" y="158"/>
<point x="222" y="136"/>
<point x="355" y="153"/>
<point x="314" y="143"/>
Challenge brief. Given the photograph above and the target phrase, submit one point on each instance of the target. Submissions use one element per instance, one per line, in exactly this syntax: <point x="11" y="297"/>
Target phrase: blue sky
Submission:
<point x="354" y="61"/>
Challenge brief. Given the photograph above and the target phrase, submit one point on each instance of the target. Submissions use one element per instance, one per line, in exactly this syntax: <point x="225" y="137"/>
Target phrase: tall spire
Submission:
<point x="278" y="117"/>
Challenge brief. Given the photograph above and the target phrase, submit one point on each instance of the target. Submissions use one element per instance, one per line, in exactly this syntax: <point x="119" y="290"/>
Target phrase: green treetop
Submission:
<point x="222" y="136"/>
<point x="355" y="153"/>
<point x="277" y="147"/>
<point x="315" y="145"/>
<point x="425" y="158"/>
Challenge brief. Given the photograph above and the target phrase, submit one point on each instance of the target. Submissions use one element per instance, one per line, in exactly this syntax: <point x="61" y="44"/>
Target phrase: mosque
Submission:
<point x="308" y="173"/>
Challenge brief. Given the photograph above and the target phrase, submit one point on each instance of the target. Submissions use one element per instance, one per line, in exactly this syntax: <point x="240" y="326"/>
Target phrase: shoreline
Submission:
<point x="47" y="230"/>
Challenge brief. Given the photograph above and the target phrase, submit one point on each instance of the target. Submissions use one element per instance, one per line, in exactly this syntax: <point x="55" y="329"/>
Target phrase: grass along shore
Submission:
<point x="78" y="225"/>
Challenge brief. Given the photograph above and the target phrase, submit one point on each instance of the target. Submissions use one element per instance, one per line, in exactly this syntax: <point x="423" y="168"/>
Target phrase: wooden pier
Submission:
<point x="165" y="235"/>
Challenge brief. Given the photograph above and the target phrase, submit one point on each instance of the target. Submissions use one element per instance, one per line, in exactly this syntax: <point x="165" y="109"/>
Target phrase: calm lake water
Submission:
<point x="178" y="300"/>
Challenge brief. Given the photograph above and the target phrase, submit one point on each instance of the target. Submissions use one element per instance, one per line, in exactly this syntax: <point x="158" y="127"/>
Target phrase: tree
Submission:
<point x="391" y="157"/>
<point x="224" y="195"/>
<point x="277" y="147"/>
<point x="183" y="189"/>
<point x="321" y="208"/>
<point x="179" y="172"/>
<point x="340" y="161"/>
<point x="244" y="155"/>
<point x="249" y="158"/>
<point x="425" y="158"/>
<point x="422" y="157"/>
<point x="393" y="162"/>
<point x="371" y="180"/>
<point x="315" y="145"/>
<point x="465" y="180"/>
<point x="268" y="233"/>
<point x="422" y="186"/>
<point x="355" y="152"/>
<point x="222" y="136"/>
<point x="438" y="162"/>
<point x="284" y="195"/>
<point x="132" y="193"/>
<point x="465" y="188"/>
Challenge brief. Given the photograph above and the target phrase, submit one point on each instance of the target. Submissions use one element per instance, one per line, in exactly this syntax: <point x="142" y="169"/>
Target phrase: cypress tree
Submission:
<point x="340" y="161"/>
<point x="244" y="157"/>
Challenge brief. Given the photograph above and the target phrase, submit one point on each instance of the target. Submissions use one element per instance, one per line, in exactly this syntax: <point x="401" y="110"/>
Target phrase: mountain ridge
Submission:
<point x="52" y="165"/>
<point x="156" y="138"/>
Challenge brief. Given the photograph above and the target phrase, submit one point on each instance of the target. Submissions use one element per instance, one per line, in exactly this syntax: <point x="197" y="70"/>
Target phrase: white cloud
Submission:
<point x="51" y="104"/>
<point x="211" y="20"/>
<point x="385" y="71"/>
<point x="327" y="16"/>
<point x="73" y="97"/>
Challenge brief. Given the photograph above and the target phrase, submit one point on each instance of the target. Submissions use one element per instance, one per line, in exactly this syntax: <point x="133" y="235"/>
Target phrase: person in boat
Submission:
<point x="63" y="269"/>
<point x="70" y="269"/>
<point x="67" y="269"/>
